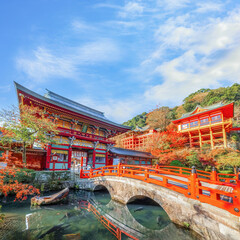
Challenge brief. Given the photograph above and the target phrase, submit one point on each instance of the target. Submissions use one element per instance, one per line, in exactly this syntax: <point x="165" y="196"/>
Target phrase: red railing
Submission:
<point x="116" y="231"/>
<point x="207" y="187"/>
<point x="213" y="175"/>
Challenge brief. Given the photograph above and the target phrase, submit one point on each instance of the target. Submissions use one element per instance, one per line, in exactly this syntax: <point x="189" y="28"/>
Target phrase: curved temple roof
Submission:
<point x="55" y="99"/>
<point x="204" y="110"/>
<point x="132" y="153"/>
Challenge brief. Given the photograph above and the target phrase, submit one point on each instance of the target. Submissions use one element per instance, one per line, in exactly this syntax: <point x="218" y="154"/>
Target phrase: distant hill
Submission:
<point x="203" y="97"/>
<point x="139" y="120"/>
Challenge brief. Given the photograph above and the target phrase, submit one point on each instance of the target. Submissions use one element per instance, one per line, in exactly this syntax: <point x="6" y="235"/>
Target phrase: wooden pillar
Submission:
<point x="190" y="139"/>
<point x="69" y="158"/>
<point x="200" y="138"/>
<point x="106" y="159"/>
<point x="93" y="158"/>
<point x="211" y="138"/>
<point x="48" y="157"/>
<point x="224" y="136"/>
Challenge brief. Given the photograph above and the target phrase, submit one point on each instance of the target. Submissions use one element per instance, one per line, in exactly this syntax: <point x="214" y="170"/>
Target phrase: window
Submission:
<point x="216" y="118"/>
<point x="194" y="124"/>
<point x="62" y="155"/>
<point x="204" y="121"/>
<point x="136" y="162"/>
<point x="185" y="126"/>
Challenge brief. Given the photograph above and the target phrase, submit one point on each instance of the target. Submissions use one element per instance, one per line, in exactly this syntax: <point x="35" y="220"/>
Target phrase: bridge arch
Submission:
<point x="100" y="187"/>
<point x="207" y="220"/>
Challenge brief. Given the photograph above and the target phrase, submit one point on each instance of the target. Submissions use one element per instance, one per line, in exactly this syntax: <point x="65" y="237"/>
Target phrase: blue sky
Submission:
<point x="121" y="57"/>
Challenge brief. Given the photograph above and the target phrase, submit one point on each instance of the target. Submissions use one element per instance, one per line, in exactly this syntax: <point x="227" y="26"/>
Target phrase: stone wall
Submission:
<point x="208" y="221"/>
<point x="53" y="180"/>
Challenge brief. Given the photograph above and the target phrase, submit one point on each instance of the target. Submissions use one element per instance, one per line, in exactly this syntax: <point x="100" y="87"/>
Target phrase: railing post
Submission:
<point x="91" y="173"/>
<point x="236" y="191"/>
<point x="238" y="178"/>
<point x="193" y="179"/>
<point x="119" y="169"/>
<point x="81" y="173"/>
<point x="214" y="174"/>
<point x="146" y="174"/>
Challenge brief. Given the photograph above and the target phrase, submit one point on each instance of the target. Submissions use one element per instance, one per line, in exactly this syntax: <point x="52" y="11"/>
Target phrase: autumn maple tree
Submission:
<point x="165" y="145"/>
<point x="159" y="118"/>
<point x="26" y="125"/>
<point x="10" y="185"/>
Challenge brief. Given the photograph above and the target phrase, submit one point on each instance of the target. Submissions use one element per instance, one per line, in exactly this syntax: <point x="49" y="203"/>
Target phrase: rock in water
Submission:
<point x="159" y="220"/>
<point x="138" y="209"/>
<point x="75" y="236"/>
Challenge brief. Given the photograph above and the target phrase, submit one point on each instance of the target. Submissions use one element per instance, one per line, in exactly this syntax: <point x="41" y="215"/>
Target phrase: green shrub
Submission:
<point x="177" y="163"/>
<point x="193" y="160"/>
<point x="235" y="137"/>
<point x="25" y="176"/>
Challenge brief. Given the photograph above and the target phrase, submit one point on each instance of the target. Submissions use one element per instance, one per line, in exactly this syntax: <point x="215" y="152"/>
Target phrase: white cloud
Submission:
<point x="5" y="88"/>
<point x="43" y="64"/>
<point x="131" y="9"/>
<point x="82" y="26"/>
<point x="209" y="56"/>
<point x="209" y="7"/>
<point x="173" y="4"/>
<point x="117" y="110"/>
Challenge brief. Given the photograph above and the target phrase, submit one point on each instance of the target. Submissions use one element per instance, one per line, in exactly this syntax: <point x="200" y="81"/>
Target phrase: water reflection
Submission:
<point x="90" y="216"/>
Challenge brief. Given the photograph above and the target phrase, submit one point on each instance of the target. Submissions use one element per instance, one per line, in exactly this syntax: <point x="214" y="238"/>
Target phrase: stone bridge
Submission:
<point x="120" y="216"/>
<point x="208" y="221"/>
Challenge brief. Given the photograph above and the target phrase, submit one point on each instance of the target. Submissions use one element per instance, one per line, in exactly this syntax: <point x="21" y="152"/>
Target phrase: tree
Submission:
<point x="139" y="120"/>
<point x="229" y="157"/>
<point x="159" y="118"/>
<point x="168" y="146"/>
<point x="26" y="125"/>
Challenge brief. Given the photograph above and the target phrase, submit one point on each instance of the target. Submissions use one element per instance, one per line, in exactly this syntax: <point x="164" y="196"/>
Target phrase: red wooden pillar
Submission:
<point x="48" y="157"/>
<point x="81" y="162"/>
<point x="93" y="158"/>
<point x="69" y="158"/>
<point x="106" y="162"/>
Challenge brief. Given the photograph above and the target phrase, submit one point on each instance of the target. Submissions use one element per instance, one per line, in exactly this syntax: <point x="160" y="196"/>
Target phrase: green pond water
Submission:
<point x="82" y="216"/>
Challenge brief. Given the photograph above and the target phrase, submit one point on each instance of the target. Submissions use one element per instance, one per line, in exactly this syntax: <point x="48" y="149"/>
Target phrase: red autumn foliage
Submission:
<point x="9" y="183"/>
<point x="166" y="145"/>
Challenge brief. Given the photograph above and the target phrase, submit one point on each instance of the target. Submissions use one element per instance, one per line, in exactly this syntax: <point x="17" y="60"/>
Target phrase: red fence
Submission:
<point x="217" y="189"/>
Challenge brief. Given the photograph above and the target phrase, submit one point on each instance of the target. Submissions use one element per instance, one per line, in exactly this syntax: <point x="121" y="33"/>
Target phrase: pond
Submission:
<point x="89" y="216"/>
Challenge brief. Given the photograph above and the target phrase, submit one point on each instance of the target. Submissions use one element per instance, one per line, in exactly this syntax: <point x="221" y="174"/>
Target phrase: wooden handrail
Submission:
<point x="207" y="187"/>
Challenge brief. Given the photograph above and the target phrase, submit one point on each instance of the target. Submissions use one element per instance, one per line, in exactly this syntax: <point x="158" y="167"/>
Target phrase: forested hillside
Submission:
<point x="203" y="97"/>
<point x="139" y="120"/>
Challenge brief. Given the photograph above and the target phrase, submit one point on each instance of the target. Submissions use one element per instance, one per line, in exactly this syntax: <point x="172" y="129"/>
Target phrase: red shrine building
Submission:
<point x="207" y="125"/>
<point x="84" y="132"/>
<point x="136" y="139"/>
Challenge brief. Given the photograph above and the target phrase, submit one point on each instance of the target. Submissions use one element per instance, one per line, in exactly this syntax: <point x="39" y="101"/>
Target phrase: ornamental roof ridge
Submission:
<point x="213" y="106"/>
<point x="71" y="103"/>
